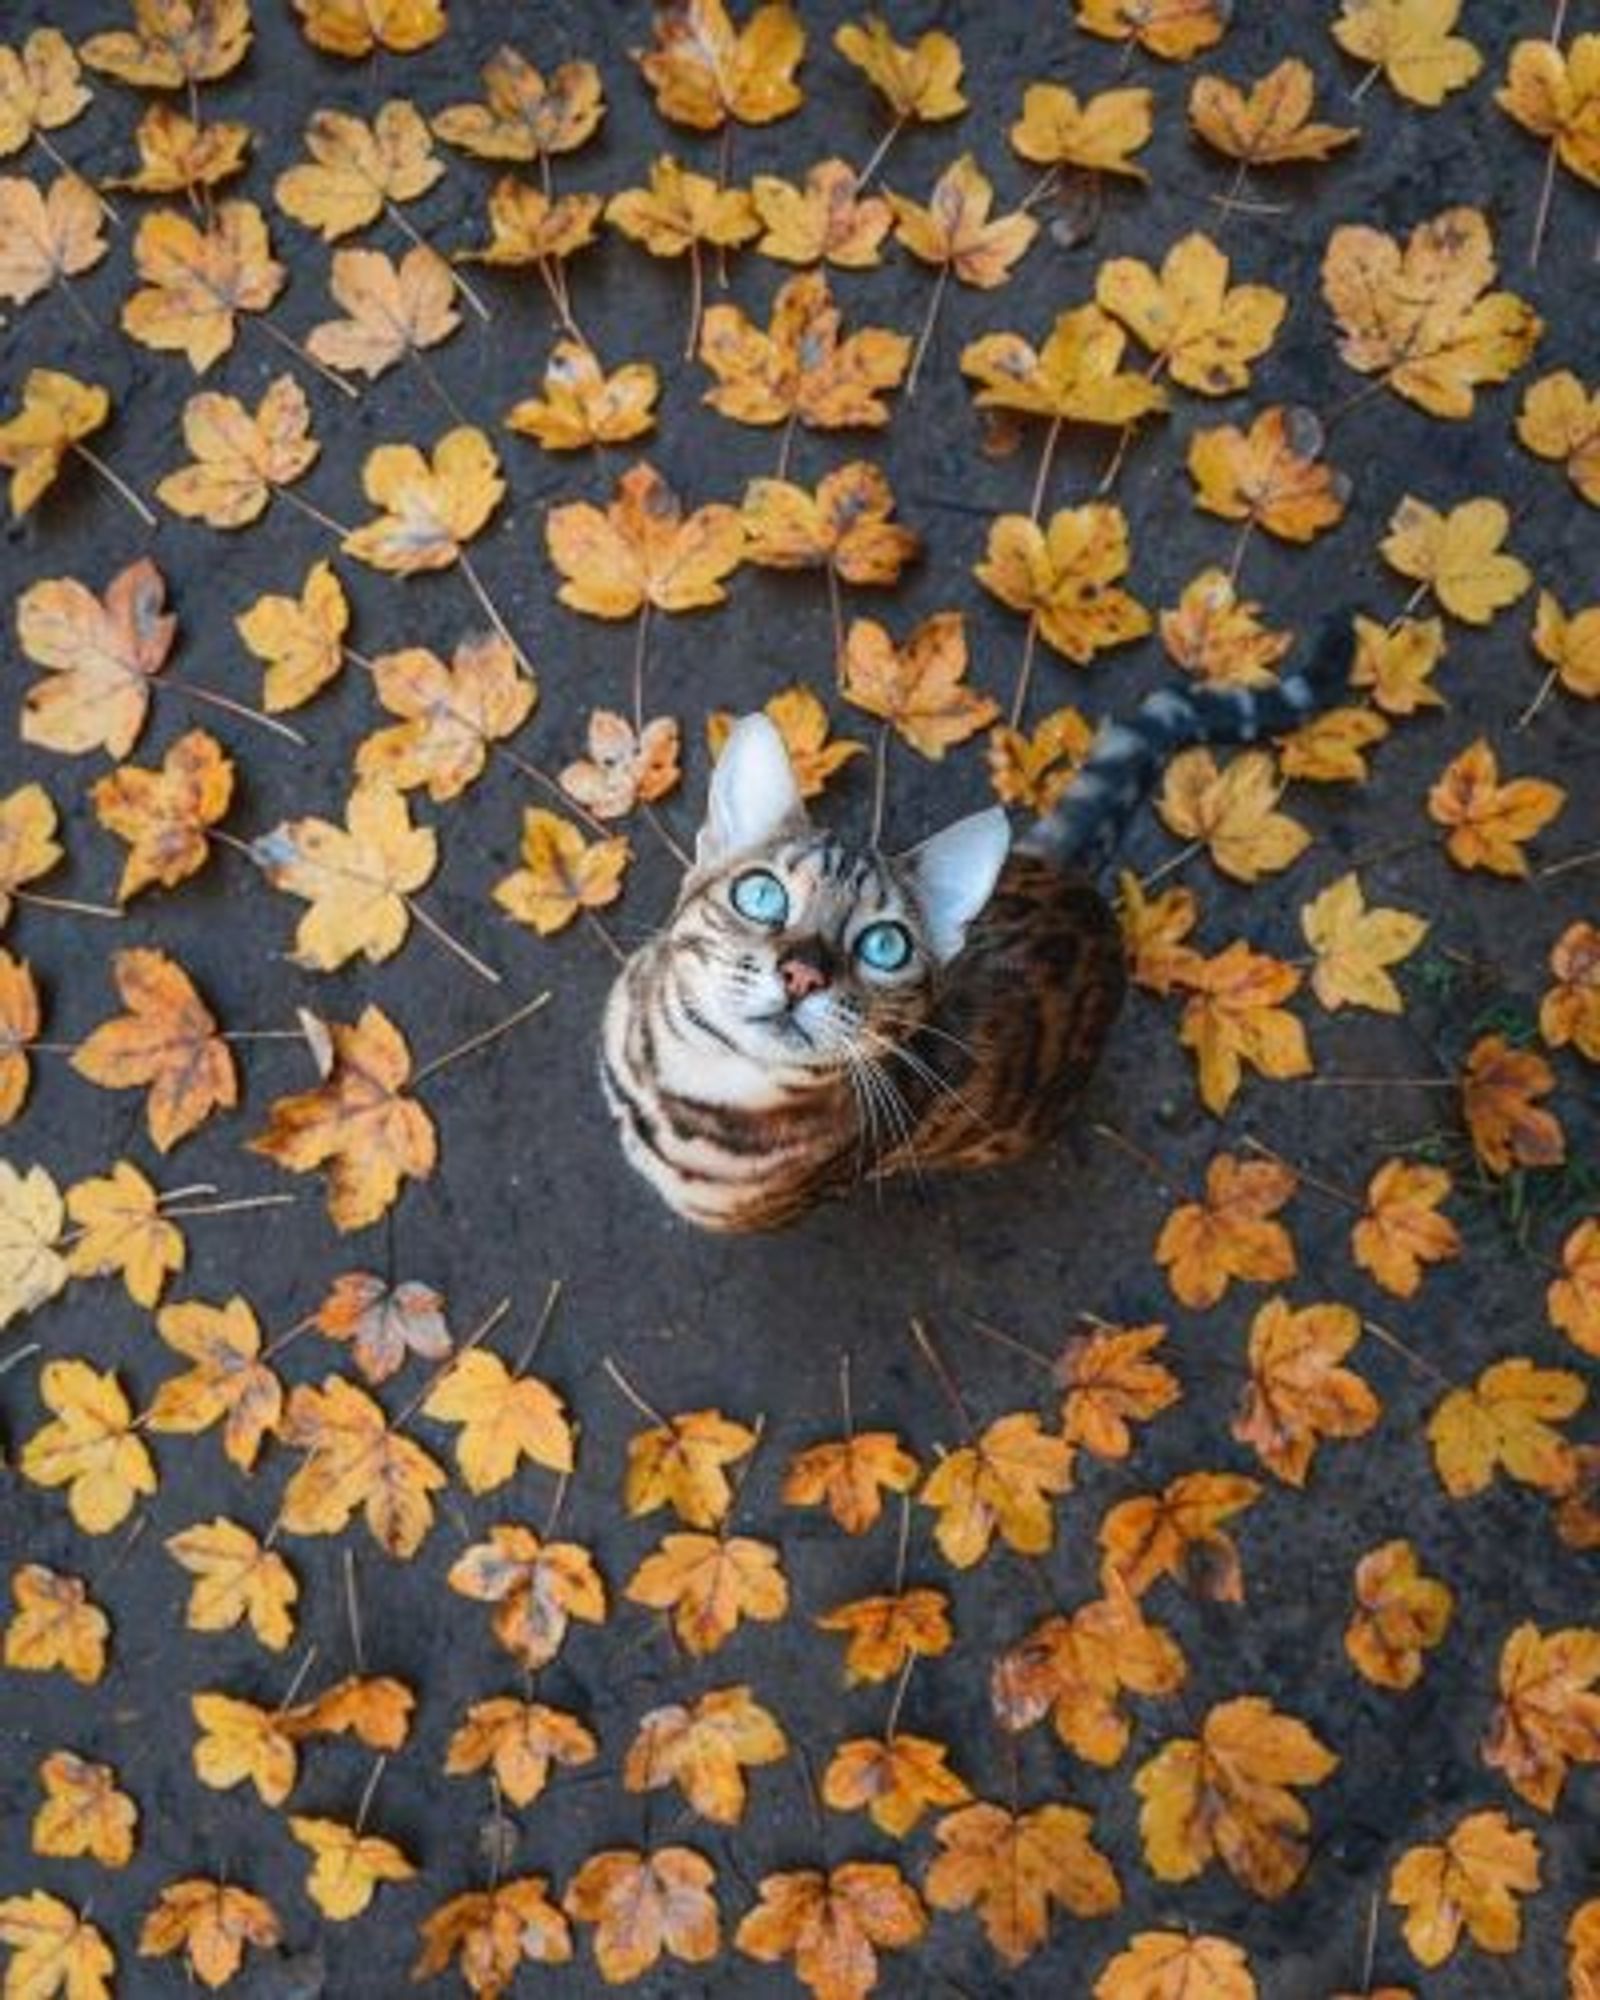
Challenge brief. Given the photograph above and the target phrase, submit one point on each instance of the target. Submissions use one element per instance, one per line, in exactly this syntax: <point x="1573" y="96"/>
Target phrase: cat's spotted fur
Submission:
<point x="756" y="1065"/>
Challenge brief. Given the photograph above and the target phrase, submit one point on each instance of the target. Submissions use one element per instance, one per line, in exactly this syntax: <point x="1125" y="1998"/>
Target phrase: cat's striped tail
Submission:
<point x="1086" y="827"/>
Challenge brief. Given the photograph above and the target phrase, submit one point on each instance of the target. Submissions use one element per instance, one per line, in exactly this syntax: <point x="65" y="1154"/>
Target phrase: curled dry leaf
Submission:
<point x="167" y="1041"/>
<point x="1399" y="1615"/>
<point x="1231" y="1234"/>
<point x="57" y="410"/>
<point x="705" y="1749"/>
<point x="164" y="815"/>
<point x="1469" y="1881"/>
<point x="1227" y="1795"/>
<point x="56" y="1627"/>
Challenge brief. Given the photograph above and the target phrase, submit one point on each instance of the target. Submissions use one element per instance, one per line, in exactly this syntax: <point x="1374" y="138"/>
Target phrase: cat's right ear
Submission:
<point x="754" y="796"/>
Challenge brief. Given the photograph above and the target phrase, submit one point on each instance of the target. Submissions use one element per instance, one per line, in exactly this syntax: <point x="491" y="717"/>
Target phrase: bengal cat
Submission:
<point x="815" y="1013"/>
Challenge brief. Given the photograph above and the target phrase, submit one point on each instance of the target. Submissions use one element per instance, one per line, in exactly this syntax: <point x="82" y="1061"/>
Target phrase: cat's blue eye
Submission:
<point x="760" y="897"/>
<point x="884" y="947"/>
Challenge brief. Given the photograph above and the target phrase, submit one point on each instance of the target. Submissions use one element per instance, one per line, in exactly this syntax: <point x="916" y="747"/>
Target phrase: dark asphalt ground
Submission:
<point x="530" y="1187"/>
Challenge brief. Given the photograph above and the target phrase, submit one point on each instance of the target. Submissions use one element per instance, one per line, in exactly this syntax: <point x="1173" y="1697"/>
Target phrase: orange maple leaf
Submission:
<point x="1231" y="1234"/>
<point x="918" y="687"/>
<point x="1011" y="1866"/>
<point x="1498" y="1088"/>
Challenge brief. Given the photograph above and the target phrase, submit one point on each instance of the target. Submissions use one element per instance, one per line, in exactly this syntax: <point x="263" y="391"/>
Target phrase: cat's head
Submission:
<point x="796" y="947"/>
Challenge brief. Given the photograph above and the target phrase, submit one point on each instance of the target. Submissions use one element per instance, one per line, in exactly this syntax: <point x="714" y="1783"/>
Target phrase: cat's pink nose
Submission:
<point x="803" y="972"/>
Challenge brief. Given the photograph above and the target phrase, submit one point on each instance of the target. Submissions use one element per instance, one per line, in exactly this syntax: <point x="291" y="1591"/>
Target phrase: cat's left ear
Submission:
<point x="754" y="796"/>
<point x="954" y="874"/>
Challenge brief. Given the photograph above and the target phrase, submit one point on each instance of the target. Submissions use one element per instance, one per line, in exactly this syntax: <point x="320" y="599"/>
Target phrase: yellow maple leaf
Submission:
<point x="121" y="1232"/>
<point x="1569" y="1014"/>
<point x="1270" y="476"/>
<point x="1226" y="1795"/>
<point x="582" y="405"/>
<point x="1506" y="1421"/>
<point x="1002" y="1483"/>
<point x="525" y="115"/>
<point x="680" y="1464"/>
<point x="358" y="1123"/>
<point x="430" y="506"/>
<point x="1153" y="933"/>
<point x="1175" y="30"/>
<point x="519" y="1741"/>
<point x="1471" y="1881"/>
<point x="28" y="847"/>
<point x="240" y="459"/>
<point x="355" y="1460"/>
<point x="394" y="311"/>
<point x="84" y="1812"/>
<point x="1232" y="1234"/>
<point x="802" y="366"/>
<point x="210" y="1923"/>
<point x="1109" y="1381"/>
<point x="844" y="526"/>
<point x="918" y="81"/>
<point x="643" y="550"/>
<point x="196" y="281"/>
<point x="1489" y="821"/>
<point x="537" y="1587"/>
<point x="802" y="722"/>
<point x="1458" y="556"/>
<point x="1554" y="93"/>
<point x="1232" y="813"/>
<point x="53" y="1950"/>
<point x="704" y="71"/>
<point x="563" y="874"/>
<point x="1180" y="1965"/>
<point x="954" y="231"/>
<point x="1560" y="420"/>
<point x="1397" y="662"/>
<point x="238" y="1742"/>
<point x="1075" y="376"/>
<point x="526" y="226"/>
<point x="57" y="412"/>
<point x="1216" y="635"/>
<point x="1097" y="134"/>
<point x="358" y="169"/>
<point x="1268" y="123"/>
<point x="228" y="1381"/>
<point x="165" y="815"/>
<point x="494" y="1932"/>
<point x="1400" y="1614"/>
<point x="1079" y="1670"/>
<point x="1034" y="768"/>
<point x="20" y="1020"/>
<point x="358" y="879"/>
<point x="100" y="655"/>
<point x="47" y="237"/>
<point x="177" y="155"/>
<point x="1411" y="43"/>
<point x="1234" y="1017"/>
<point x="1064" y="577"/>
<point x="41" y="88"/>
<point x="705" y="1749"/>
<point x="56" y="1625"/>
<point x="623" y="769"/>
<point x="167" y="1040"/>
<point x="174" y="43"/>
<point x="1011" y="1866"/>
<point x="708" y="1583"/>
<point x="347" y="1865"/>
<point x="451" y="716"/>
<point x="32" y="1217"/>
<point x="89" y="1446"/>
<point x="356" y="27"/>
<point x="1424" y="319"/>
<point x="826" y="220"/>
<point x="1203" y="331"/>
<point x="1570" y="645"/>
<point x="1353" y="945"/>
<point x="238" y="1579"/>
<point x="919" y="687"/>
<point x="1401" y="1229"/>
<point x="298" y="639"/>
<point x="850" y="1477"/>
<point x="504" y="1419"/>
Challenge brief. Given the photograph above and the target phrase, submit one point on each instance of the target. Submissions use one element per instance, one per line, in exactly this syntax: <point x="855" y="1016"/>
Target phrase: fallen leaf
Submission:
<point x="833" y="1926"/>
<point x="1064" y="577"/>
<point x="178" y="155"/>
<point x="1204" y="332"/>
<point x="32" y="1219"/>
<point x="1034" y="769"/>
<point x="28" y="847"/>
<point x="1177" y="1533"/>
<point x="1470" y="1881"/>
<point x="1096" y="134"/>
<point x="1508" y="1129"/>
<point x="1234" y="1018"/>
<point x="1298" y="1394"/>
<point x="100" y="655"/>
<point x="623" y="770"/>
<point x="1353" y="947"/>
<point x="1397" y="662"/>
<point x="240" y="460"/>
<point x="172" y="46"/>
<point x="238" y="1580"/>
<point x="850" y="1477"/>
<point x="1231" y="1234"/>
<point x="954" y="232"/>
<point x="1174" y="30"/>
<point x="564" y="875"/>
<point x="844" y="526"/>
<point x="121" y="1232"/>
<point x="643" y="1905"/>
<point x="1217" y="636"/>
<point x="525" y="115"/>
<point x="20" y="1021"/>
<point x="493" y="1932"/>
<point x="528" y="227"/>
<point x="89" y="1446"/>
<point x="376" y="1711"/>
<point x="229" y="1381"/>
<point x="197" y="281"/>
<point x="1411" y="43"/>
<point x="679" y="210"/>
<point x="1423" y="319"/>
<point x="803" y="723"/>
<point x="1399" y="1615"/>
<point x="705" y="1749"/>
<point x="918" y="687"/>
<point x="519" y="1741"/>
<point x="1110" y="1382"/>
<point x="1232" y="812"/>
<point x="883" y="1633"/>
<point x="537" y="1587"/>
<point x="1457" y="556"/>
<point x="704" y="71"/>
<point x="504" y="1419"/>
<point x="1011" y="1866"/>
<point x="1560" y="420"/>
<point x="1401" y="1230"/>
<point x="1179" y="1965"/>
<point x="1548" y="1718"/>
<point x="357" y="879"/>
<point x="1573" y="1299"/>
<point x="1570" y="645"/>
<point x="1267" y="123"/>
<point x="383" y="1323"/>
<point x="41" y="88"/>
<point x="893" y="1779"/>
<point x="57" y="411"/>
<point x="1552" y="93"/>
<point x="56" y="1626"/>
<point x="802" y="368"/>
<point x="168" y="1040"/>
<point x="355" y="1460"/>
<point x="358" y="169"/>
<point x="825" y="221"/>
<point x="1506" y="1422"/>
<point x="708" y="1583"/>
<point x="53" y="1950"/>
<point x="299" y="639"/>
<point x="1489" y="821"/>
<point x="47" y="237"/>
<point x="210" y="1923"/>
<point x="164" y="815"/>
<point x="395" y="311"/>
<point x="642" y="550"/>
<point x="1075" y="377"/>
<point x="919" y="81"/>
<point x="1153" y="932"/>
<point x="1270" y="476"/>
<point x="1226" y="1795"/>
<point x="84" y="1812"/>
<point x="430" y="506"/>
<point x="583" y="406"/>
<point x="1001" y="1483"/>
<point x="1079" y="1670"/>
<point x="347" y="1865"/>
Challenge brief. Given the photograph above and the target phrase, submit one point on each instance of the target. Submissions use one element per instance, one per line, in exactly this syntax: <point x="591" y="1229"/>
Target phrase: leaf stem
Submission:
<point x="1019" y="696"/>
<point x="117" y="483"/>
<point x="836" y="613"/>
<point x="408" y="228"/>
<point x="476" y="584"/>
<point x="51" y="151"/>
<point x="451" y="943"/>
<point x="241" y="709"/>
<point x="880" y="780"/>
<point x="1547" y="688"/>
<point x="368" y="1790"/>
<point x="547" y="1313"/>
<point x="928" y="323"/>
<point x="1046" y="460"/>
<point x="68" y="905"/>
<point x="697" y="299"/>
<point x="481" y="1039"/>
<point x="436" y="383"/>
<point x="1541" y="218"/>
<point x="313" y="513"/>
<point x="640" y="641"/>
<point x="290" y="345"/>
<point x="942" y="1375"/>
<point x="645" y="1409"/>
<point x="786" y="444"/>
<point x="879" y="153"/>
<point x="233" y="1207"/>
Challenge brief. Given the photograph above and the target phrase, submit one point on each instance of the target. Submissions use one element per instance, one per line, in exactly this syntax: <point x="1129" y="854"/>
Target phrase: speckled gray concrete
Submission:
<point x="530" y="1186"/>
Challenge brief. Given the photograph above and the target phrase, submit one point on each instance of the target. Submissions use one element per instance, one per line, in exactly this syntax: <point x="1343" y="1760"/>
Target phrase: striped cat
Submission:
<point x="814" y="1013"/>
